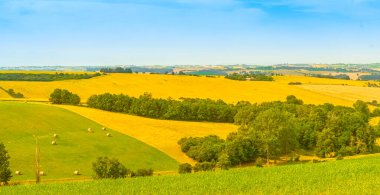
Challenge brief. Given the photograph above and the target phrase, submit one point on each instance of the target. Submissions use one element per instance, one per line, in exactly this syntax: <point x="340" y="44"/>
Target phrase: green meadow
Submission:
<point x="76" y="148"/>
<point x="355" y="176"/>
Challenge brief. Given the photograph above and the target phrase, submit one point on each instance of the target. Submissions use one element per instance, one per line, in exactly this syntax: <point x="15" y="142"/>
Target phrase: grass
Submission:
<point x="161" y="134"/>
<point x="190" y="86"/>
<point x="76" y="149"/>
<point x="354" y="176"/>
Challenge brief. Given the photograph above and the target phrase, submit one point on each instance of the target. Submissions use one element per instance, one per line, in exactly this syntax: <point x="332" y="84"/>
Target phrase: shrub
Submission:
<point x="204" y="166"/>
<point x="109" y="168"/>
<point x="184" y="168"/>
<point x="142" y="173"/>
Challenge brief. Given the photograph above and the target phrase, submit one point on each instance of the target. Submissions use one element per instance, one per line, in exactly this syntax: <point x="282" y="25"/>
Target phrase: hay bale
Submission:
<point x="55" y="135"/>
<point x="109" y="135"/>
<point x="104" y="129"/>
<point x="53" y="142"/>
<point x="76" y="172"/>
<point x="18" y="173"/>
<point x="42" y="173"/>
<point x="90" y="130"/>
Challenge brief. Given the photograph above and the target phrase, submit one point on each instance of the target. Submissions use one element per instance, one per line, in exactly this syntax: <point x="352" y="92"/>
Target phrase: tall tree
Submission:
<point x="268" y="129"/>
<point x="5" y="172"/>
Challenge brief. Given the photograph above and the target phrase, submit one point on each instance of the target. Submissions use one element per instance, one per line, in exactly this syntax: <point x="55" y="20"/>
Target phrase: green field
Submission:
<point x="76" y="149"/>
<point x="355" y="176"/>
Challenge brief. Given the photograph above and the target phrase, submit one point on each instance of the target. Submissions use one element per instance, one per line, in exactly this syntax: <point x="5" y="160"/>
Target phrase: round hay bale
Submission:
<point x="53" y="142"/>
<point x="18" y="173"/>
<point x="76" y="172"/>
<point x="42" y="173"/>
<point x="90" y="130"/>
<point x="103" y="128"/>
<point x="55" y="135"/>
<point x="109" y="135"/>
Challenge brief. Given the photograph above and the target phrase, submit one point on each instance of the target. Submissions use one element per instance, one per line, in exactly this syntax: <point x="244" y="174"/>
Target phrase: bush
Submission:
<point x="63" y="96"/>
<point x="109" y="168"/>
<point x="142" y="173"/>
<point x="204" y="166"/>
<point x="5" y="172"/>
<point x="185" y="168"/>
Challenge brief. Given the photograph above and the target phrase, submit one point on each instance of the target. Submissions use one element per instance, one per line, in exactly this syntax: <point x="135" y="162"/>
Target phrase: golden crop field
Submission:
<point x="161" y="134"/>
<point x="202" y="87"/>
<point x="351" y="93"/>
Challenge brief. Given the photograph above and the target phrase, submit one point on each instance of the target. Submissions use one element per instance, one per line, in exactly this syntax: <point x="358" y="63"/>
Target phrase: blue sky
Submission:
<point x="148" y="32"/>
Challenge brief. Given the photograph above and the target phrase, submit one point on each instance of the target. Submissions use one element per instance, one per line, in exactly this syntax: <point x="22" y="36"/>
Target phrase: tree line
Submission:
<point x="44" y="77"/>
<point x="329" y="76"/>
<point x="375" y="77"/>
<point x="186" y="109"/>
<point x="249" y="77"/>
<point x="116" y="70"/>
<point x="274" y="129"/>
<point x="12" y="93"/>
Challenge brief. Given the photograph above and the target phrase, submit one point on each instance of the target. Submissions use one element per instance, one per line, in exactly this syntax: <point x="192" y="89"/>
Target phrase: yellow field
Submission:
<point x="161" y="134"/>
<point x="319" y="81"/>
<point x="351" y="93"/>
<point x="190" y="86"/>
<point x="3" y="94"/>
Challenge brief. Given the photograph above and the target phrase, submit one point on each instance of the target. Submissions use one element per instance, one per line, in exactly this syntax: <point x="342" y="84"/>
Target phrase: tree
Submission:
<point x="268" y="128"/>
<point x="362" y="107"/>
<point x="5" y="172"/>
<point x="291" y="99"/>
<point x="224" y="161"/>
<point x="109" y="168"/>
<point x="63" y="96"/>
<point x="185" y="168"/>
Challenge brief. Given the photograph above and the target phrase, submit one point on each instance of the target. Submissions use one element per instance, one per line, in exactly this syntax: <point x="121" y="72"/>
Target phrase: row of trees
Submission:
<point x="274" y="129"/>
<point x="63" y="96"/>
<point x="12" y="93"/>
<point x="116" y="70"/>
<point x="44" y="77"/>
<point x="330" y="76"/>
<point x="249" y="76"/>
<point x="186" y="109"/>
<point x="375" y="77"/>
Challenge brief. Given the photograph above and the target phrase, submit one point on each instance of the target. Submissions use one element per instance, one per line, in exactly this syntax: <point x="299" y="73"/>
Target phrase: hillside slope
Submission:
<point x="76" y="149"/>
<point x="161" y="134"/>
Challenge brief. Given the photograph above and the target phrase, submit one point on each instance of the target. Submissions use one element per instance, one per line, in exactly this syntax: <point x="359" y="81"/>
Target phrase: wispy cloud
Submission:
<point x="343" y="7"/>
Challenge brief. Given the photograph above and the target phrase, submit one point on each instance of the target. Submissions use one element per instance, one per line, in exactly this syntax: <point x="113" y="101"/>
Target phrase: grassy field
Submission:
<point x="161" y="134"/>
<point x="354" y="176"/>
<point x="76" y="149"/>
<point x="191" y="86"/>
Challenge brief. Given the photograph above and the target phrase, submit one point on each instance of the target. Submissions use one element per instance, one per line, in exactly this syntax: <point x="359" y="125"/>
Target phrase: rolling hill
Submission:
<point x="161" y="134"/>
<point x="76" y="148"/>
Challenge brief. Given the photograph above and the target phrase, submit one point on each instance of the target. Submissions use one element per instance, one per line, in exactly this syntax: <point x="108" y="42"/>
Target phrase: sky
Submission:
<point x="187" y="32"/>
